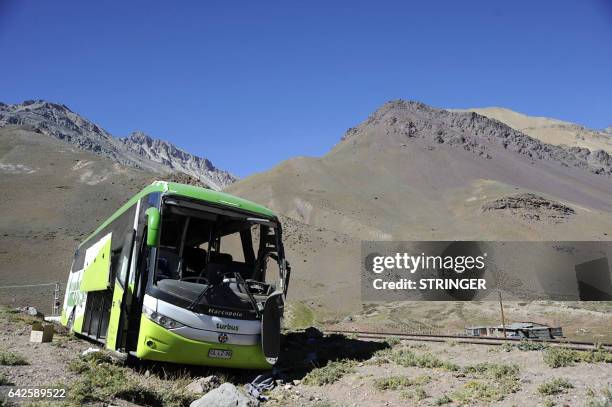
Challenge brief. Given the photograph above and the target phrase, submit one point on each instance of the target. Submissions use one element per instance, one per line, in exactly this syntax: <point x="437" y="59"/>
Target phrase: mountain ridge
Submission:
<point x="472" y="131"/>
<point x="549" y="130"/>
<point x="137" y="150"/>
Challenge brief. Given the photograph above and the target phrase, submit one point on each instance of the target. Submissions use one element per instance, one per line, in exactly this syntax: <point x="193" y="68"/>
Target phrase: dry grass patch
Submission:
<point x="400" y="382"/>
<point x="554" y="386"/>
<point x="8" y="358"/>
<point x="416" y="394"/>
<point x="560" y="357"/>
<point x="101" y="380"/>
<point x="442" y="400"/>
<point x="4" y="381"/>
<point x="407" y="358"/>
<point x="493" y="382"/>
<point x="330" y="373"/>
<point x="603" y="400"/>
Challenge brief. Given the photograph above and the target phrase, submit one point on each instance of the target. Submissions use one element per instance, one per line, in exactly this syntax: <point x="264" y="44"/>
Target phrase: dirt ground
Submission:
<point x="49" y="366"/>
<point x="357" y="389"/>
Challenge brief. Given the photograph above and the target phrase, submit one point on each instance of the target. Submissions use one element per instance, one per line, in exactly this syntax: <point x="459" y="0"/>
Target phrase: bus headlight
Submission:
<point x="160" y="319"/>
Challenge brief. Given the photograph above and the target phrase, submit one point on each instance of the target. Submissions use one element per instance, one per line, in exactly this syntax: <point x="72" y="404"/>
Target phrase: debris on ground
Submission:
<point x="226" y="395"/>
<point x="312" y="332"/>
<point x="31" y="311"/>
<point x="41" y="333"/>
<point x="90" y="350"/>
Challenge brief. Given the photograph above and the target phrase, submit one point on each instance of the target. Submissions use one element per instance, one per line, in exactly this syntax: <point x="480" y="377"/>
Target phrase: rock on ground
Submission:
<point x="203" y="384"/>
<point x="531" y="207"/>
<point x="226" y="395"/>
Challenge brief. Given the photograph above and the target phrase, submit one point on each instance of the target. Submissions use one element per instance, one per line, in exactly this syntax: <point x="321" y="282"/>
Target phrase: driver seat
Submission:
<point x="194" y="260"/>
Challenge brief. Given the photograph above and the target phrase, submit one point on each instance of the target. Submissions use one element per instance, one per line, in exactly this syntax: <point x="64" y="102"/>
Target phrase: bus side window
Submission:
<point x="273" y="273"/>
<point x="79" y="260"/>
<point x="232" y="244"/>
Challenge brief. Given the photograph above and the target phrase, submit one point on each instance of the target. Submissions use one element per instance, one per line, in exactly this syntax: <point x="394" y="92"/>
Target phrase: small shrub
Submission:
<point x="554" y="386"/>
<point x="596" y="356"/>
<point x="494" y="371"/>
<point x="421" y="379"/>
<point x="17" y="317"/>
<point x="100" y="380"/>
<point x="380" y="357"/>
<point x="561" y="357"/>
<point x="499" y="380"/>
<point x="400" y="382"/>
<point x="392" y="383"/>
<point x="548" y="403"/>
<point x="8" y="358"/>
<point x="442" y="400"/>
<point x="407" y="358"/>
<point x="479" y="391"/>
<point x="527" y="345"/>
<point x="393" y="341"/>
<point x="416" y="394"/>
<point x="330" y="373"/>
<point x="4" y="381"/>
<point x="604" y="401"/>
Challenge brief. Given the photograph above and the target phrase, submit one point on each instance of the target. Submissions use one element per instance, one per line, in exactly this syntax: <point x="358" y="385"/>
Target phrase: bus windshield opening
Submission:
<point x="218" y="258"/>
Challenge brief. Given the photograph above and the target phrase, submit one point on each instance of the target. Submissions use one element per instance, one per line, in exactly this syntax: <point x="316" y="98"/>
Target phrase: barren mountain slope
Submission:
<point x="411" y="172"/>
<point x="53" y="196"/>
<point x="549" y="130"/>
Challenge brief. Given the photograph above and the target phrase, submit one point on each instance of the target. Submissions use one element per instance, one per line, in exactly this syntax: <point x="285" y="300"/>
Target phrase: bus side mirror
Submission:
<point x="152" y="226"/>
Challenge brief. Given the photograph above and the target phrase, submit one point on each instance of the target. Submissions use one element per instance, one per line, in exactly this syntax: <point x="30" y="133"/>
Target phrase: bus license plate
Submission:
<point x="220" y="353"/>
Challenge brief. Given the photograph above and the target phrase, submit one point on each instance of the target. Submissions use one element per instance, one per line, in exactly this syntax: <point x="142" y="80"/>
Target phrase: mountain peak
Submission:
<point x="140" y="137"/>
<point x="398" y="123"/>
<point x="398" y="105"/>
<point x="179" y="160"/>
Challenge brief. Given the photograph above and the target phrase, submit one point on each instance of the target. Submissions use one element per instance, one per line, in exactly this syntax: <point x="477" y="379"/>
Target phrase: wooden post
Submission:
<point x="501" y="307"/>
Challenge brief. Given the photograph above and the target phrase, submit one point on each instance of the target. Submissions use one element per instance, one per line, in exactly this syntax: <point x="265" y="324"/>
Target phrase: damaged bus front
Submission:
<point x="196" y="277"/>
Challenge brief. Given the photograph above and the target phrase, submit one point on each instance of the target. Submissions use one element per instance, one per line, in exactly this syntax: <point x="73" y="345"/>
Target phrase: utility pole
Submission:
<point x="501" y="308"/>
<point x="56" y="300"/>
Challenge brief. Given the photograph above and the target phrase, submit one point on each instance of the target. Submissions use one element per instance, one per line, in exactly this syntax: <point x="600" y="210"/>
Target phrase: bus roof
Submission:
<point x="190" y="191"/>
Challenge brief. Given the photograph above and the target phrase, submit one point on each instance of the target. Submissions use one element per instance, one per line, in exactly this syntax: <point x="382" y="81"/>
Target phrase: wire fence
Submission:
<point x="45" y="297"/>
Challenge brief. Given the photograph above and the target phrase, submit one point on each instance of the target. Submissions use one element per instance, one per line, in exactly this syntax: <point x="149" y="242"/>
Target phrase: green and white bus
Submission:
<point x="183" y="274"/>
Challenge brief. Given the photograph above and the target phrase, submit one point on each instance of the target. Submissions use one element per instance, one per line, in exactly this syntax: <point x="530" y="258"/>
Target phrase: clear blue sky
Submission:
<point x="248" y="84"/>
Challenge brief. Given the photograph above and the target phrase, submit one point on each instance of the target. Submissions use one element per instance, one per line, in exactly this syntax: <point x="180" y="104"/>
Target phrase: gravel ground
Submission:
<point x="48" y="367"/>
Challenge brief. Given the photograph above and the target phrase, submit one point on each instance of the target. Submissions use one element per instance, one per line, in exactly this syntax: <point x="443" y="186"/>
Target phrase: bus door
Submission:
<point x="94" y="283"/>
<point x="119" y="307"/>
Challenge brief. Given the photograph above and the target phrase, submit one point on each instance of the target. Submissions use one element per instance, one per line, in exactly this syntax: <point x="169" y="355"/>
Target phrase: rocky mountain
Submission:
<point x="138" y="150"/>
<point x="551" y="131"/>
<point x="179" y="160"/>
<point x="434" y="170"/>
<point x="414" y="172"/>
<point x="404" y="120"/>
<point x="407" y="172"/>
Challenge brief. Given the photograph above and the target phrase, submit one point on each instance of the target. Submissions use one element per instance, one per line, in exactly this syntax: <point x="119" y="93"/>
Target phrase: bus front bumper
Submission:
<point x="160" y="344"/>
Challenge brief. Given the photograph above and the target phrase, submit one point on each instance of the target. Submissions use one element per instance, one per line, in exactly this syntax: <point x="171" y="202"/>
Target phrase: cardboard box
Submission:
<point x="41" y="333"/>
